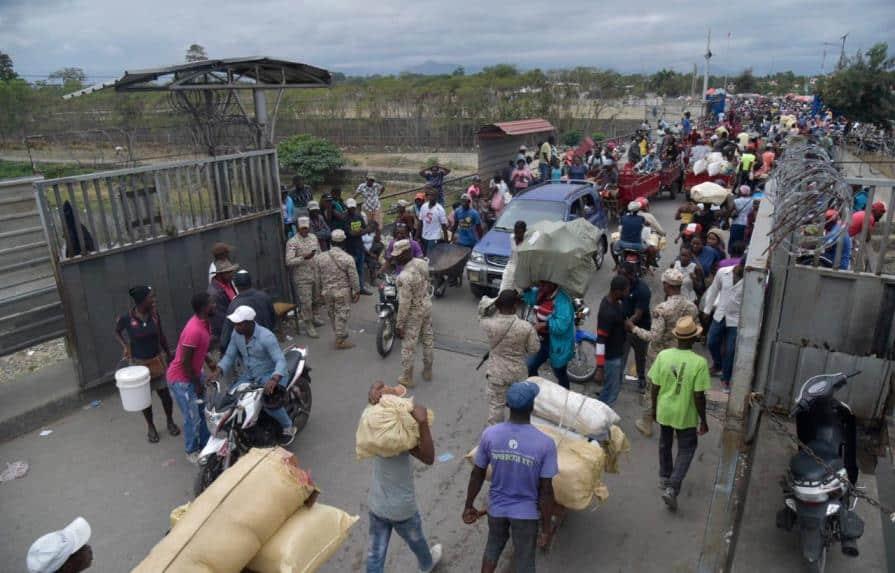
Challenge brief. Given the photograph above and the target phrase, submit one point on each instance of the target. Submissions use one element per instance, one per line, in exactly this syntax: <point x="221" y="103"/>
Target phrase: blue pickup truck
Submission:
<point x="545" y="202"/>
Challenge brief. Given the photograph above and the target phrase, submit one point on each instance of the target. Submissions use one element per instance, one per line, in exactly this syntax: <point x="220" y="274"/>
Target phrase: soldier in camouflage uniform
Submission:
<point x="339" y="284"/>
<point x="301" y="257"/>
<point x="414" y="322"/>
<point x="511" y="341"/>
<point x="661" y="335"/>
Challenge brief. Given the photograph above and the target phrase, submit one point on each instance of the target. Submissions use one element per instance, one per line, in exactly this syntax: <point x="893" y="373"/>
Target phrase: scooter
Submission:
<point x="237" y="421"/>
<point x="818" y="489"/>
<point x="583" y="365"/>
<point x="387" y="315"/>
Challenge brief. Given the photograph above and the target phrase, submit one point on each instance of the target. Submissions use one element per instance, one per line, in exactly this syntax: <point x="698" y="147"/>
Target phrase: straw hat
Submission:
<point x="686" y="328"/>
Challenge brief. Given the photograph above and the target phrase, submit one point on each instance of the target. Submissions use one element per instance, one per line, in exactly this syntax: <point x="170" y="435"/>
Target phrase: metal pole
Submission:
<point x="708" y="56"/>
<point x="261" y="118"/>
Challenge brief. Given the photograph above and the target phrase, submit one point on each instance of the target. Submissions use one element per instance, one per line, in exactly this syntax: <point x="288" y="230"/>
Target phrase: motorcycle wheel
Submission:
<point x="299" y="407"/>
<point x="207" y="474"/>
<point x="385" y="336"/>
<point x="582" y="367"/>
<point x="818" y="566"/>
<point x="600" y="255"/>
<point x="440" y="287"/>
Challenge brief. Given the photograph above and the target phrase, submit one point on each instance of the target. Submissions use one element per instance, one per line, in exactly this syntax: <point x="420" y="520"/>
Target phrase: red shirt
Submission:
<point x="196" y="335"/>
<point x="857" y="223"/>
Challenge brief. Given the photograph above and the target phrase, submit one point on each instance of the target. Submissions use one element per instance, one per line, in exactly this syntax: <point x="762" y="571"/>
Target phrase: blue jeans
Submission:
<point x="359" y="259"/>
<point x="737" y="234"/>
<point x="535" y="361"/>
<point x="195" y="432"/>
<point x="544" y="169"/>
<point x="722" y="343"/>
<point x="613" y="371"/>
<point x="279" y="414"/>
<point x="410" y="530"/>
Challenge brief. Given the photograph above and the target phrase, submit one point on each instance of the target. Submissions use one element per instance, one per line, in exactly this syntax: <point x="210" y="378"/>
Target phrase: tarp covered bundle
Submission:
<point x="559" y="252"/>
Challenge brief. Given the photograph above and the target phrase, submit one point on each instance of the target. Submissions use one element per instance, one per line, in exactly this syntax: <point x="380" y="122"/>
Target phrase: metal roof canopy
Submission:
<point x="234" y="73"/>
<point x="519" y="127"/>
<point x="207" y="91"/>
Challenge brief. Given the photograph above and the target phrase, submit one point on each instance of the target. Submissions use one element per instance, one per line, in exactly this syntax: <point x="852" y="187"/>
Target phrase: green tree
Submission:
<point x="6" y="70"/>
<point x="71" y="78"/>
<point x="196" y="53"/>
<point x="864" y="89"/>
<point x="571" y="138"/>
<point x="459" y="71"/>
<point x="311" y="157"/>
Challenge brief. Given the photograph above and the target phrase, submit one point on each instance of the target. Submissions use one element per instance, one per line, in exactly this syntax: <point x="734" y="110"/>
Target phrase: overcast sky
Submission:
<point x="106" y="37"/>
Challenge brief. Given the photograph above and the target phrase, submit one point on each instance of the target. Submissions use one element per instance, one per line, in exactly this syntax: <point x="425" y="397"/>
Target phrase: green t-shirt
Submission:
<point x="746" y="161"/>
<point x="679" y="374"/>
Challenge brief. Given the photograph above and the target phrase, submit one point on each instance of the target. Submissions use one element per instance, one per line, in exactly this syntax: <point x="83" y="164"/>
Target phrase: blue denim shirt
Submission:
<point x="261" y="356"/>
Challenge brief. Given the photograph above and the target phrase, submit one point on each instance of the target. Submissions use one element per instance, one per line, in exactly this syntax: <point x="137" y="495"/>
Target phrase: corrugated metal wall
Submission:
<point x="96" y="287"/>
<point x="831" y="321"/>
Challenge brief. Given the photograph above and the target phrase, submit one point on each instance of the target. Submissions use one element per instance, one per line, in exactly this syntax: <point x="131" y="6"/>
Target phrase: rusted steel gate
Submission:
<point x="155" y="225"/>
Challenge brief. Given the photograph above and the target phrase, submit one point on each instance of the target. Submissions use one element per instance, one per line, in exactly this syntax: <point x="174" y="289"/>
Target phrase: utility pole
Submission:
<point x="708" y="56"/>
<point x="693" y="83"/>
<point x="823" y="61"/>
<point x="842" y="53"/>
<point x="729" y="59"/>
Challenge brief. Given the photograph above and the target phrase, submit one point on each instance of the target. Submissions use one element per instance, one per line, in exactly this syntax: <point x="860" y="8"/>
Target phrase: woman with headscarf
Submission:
<point x="146" y="346"/>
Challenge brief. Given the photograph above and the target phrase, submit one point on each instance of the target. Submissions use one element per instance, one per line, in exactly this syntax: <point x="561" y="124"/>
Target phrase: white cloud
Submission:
<point x="106" y="37"/>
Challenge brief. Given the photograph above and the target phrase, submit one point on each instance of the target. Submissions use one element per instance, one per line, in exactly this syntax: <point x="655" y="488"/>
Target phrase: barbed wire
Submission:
<point x="804" y="186"/>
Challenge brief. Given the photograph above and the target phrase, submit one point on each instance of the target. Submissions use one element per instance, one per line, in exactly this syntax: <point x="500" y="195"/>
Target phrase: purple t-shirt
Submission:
<point x="520" y="455"/>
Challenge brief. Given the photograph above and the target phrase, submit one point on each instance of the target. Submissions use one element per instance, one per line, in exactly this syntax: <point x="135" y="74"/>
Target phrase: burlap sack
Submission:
<point x="229" y="523"/>
<point x="387" y="429"/>
<point x="584" y="415"/>
<point x="305" y="542"/>
<point x="617" y="445"/>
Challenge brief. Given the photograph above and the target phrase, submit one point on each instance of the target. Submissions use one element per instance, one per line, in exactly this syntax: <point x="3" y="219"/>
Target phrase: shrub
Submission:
<point x="571" y="138"/>
<point x="311" y="157"/>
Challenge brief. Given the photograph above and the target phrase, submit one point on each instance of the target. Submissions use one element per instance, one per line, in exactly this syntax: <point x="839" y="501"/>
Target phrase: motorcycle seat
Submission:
<point x="804" y="467"/>
<point x="293" y="357"/>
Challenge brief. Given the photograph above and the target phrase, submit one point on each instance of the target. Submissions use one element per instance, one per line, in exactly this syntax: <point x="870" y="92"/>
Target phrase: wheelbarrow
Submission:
<point x="446" y="263"/>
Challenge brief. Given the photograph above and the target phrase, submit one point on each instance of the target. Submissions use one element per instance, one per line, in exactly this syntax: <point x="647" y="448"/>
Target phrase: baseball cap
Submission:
<point x="464" y="197"/>
<point x="351" y="203"/>
<point x="242" y="314"/>
<point x="51" y="551"/>
<point x="304" y="223"/>
<point x="521" y="395"/>
<point x="338" y="236"/>
<point x="673" y="277"/>
<point x="371" y="177"/>
<point x="313" y="206"/>
<point x="401" y="203"/>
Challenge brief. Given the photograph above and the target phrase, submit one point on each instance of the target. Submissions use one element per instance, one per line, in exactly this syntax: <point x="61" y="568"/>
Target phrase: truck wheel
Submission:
<point x="600" y="254"/>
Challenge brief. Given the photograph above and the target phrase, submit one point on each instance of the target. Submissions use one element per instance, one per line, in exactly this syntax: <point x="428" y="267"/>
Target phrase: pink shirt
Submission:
<point x="196" y="335"/>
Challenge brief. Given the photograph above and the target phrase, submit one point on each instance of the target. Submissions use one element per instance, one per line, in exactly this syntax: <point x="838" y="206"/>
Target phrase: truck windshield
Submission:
<point x="530" y="211"/>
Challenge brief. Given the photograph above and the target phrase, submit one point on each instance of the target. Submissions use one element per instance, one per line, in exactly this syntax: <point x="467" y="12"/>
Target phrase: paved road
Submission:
<point x="96" y="463"/>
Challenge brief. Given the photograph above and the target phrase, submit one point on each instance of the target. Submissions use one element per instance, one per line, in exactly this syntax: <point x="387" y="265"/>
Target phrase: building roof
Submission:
<point x="256" y="72"/>
<point x="518" y="127"/>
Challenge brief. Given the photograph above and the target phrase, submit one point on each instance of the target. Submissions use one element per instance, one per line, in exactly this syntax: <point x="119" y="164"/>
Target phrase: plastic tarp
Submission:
<point x="585" y="415"/>
<point x="709" y="192"/>
<point x="559" y="252"/>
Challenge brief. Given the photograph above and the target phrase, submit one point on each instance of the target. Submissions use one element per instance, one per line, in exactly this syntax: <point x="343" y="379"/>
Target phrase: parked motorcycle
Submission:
<point x="238" y="423"/>
<point x="583" y="365"/>
<point x="818" y="489"/>
<point x="387" y="315"/>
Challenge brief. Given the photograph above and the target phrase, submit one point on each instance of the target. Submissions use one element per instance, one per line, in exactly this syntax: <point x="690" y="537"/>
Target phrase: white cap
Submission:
<point x="51" y="551"/>
<point x="242" y="314"/>
<point x="351" y="203"/>
<point x="634" y="206"/>
<point x="304" y="223"/>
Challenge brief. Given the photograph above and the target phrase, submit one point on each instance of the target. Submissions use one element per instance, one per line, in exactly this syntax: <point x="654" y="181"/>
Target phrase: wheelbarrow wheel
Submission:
<point x="440" y="287"/>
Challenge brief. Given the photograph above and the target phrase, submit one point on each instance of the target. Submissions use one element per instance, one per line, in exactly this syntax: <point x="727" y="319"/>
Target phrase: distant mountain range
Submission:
<point x="432" y="68"/>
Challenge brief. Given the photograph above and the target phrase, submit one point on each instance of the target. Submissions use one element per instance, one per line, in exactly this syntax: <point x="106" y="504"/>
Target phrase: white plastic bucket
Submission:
<point x="133" y="386"/>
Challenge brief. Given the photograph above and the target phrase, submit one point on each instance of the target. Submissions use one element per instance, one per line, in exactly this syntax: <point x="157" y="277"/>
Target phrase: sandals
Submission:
<point x="173" y="429"/>
<point x="152" y="436"/>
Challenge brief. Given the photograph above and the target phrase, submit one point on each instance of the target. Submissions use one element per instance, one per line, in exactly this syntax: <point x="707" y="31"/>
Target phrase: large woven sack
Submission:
<point x="579" y="483"/>
<point x="305" y="542"/>
<point x="714" y="169"/>
<point x="387" y="429"/>
<point x="617" y="445"/>
<point x="584" y="415"/>
<point x="699" y="166"/>
<point x="228" y="524"/>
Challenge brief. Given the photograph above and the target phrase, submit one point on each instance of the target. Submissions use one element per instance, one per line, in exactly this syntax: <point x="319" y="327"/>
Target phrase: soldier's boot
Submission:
<point x="406" y="379"/>
<point x="427" y="372"/>
<point x="344" y="344"/>
<point x="644" y="425"/>
<point x="318" y="321"/>
<point x="309" y="329"/>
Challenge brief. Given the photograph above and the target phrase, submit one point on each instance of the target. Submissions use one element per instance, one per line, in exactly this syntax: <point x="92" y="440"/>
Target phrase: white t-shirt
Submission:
<point x="433" y="218"/>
